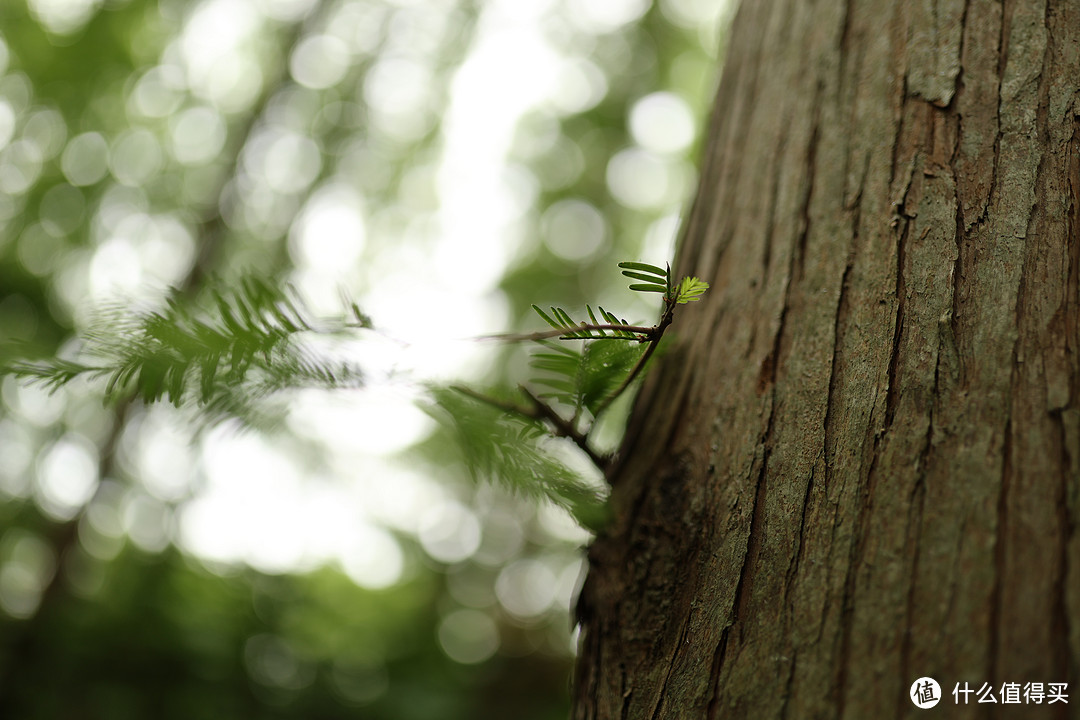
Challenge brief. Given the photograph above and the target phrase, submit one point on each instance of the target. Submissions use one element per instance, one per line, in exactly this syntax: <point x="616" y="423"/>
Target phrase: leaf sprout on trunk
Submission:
<point x="613" y="354"/>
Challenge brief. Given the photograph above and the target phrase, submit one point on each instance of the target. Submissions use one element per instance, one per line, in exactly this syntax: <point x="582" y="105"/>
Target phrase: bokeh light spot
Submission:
<point x="449" y="532"/>
<point x="85" y="159"/>
<point x="198" y="134"/>
<point x="67" y="476"/>
<point x="580" y="86"/>
<point x="639" y="179"/>
<point x="603" y="16"/>
<point x="159" y="91"/>
<point x="20" y="166"/>
<point x="693" y="13"/>
<point x="46" y="130"/>
<point x="63" y="17"/>
<point x="235" y="85"/>
<point x="292" y="163"/>
<point x="18" y="454"/>
<point x="398" y="91"/>
<point x="503" y="538"/>
<point x="320" y="61"/>
<point x="161" y="455"/>
<point x="136" y="157"/>
<point x="574" y="230"/>
<point x="115" y="269"/>
<point x="329" y="235"/>
<point x="215" y="38"/>
<point x="147" y="521"/>
<point x="287" y="10"/>
<point x="374" y="421"/>
<point x="7" y="123"/>
<point x="26" y="566"/>
<point x="661" y="122"/>
<point x="373" y="559"/>
<point x="468" y="636"/>
<point x="526" y="588"/>
<point x="33" y="403"/>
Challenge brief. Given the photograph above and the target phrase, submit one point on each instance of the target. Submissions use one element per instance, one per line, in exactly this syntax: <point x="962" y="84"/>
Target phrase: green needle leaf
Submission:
<point x="645" y="268"/>
<point x="592" y="318"/>
<point x="641" y="276"/>
<point x="641" y="287"/>
<point x="564" y="317"/>
<point x="547" y="319"/>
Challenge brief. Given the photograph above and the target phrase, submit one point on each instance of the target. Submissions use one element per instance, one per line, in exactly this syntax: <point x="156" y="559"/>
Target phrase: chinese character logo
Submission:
<point x="925" y="693"/>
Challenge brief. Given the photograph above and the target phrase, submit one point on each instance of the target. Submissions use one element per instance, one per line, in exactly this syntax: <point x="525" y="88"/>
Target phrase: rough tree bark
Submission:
<point x="861" y="463"/>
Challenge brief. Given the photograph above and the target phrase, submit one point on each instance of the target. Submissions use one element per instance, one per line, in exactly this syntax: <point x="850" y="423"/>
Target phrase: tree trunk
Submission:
<point x="860" y="464"/>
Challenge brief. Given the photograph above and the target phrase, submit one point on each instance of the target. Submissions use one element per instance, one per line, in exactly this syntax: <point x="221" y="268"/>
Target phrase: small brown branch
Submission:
<point x="565" y="429"/>
<point x="508" y="407"/>
<point x="568" y="333"/>
<point x="540" y="410"/>
<point x="654" y="341"/>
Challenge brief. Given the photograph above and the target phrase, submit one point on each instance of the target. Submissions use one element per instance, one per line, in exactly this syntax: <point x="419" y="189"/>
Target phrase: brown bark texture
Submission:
<point x="859" y="463"/>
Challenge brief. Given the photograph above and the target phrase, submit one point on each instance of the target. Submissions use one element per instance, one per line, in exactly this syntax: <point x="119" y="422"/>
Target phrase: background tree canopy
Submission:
<point x="445" y="164"/>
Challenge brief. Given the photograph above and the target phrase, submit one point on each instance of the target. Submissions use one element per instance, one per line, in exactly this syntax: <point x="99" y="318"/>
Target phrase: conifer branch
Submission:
<point x="593" y="377"/>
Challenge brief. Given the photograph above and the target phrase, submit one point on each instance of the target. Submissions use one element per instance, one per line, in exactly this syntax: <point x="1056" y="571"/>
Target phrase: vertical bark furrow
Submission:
<point x="891" y="391"/>
<point x="661" y="694"/>
<point x="846" y="655"/>
<point x="831" y="449"/>
<point x="1001" y="569"/>
<point x="977" y="108"/>
<point x="1031" y="538"/>
<point x="1064" y="664"/>
<point x="934" y="48"/>
<point x="915" y="511"/>
<point x="770" y="220"/>
<point x="753" y="542"/>
<point x="712" y="707"/>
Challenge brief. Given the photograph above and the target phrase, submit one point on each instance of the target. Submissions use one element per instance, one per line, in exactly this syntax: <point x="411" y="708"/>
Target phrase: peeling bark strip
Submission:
<point x="864" y="466"/>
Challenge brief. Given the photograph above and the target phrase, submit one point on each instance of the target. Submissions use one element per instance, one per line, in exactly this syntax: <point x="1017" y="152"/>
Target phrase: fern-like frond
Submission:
<point x="244" y="346"/>
<point x="612" y="357"/>
<point x="561" y="365"/>
<point x="506" y="448"/>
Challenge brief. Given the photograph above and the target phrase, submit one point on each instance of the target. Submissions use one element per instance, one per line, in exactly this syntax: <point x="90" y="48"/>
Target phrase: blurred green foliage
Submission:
<point x="158" y="635"/>
<point x="147" y="144"/>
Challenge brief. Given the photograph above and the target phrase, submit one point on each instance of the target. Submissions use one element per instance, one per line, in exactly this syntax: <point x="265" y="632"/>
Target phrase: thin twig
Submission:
<point x="540" y="410"/>
<point x="508" y="407"/>
<point x="654" y="341"/>
<point x="570" y="333"/>
<point x="565" y="429"/>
